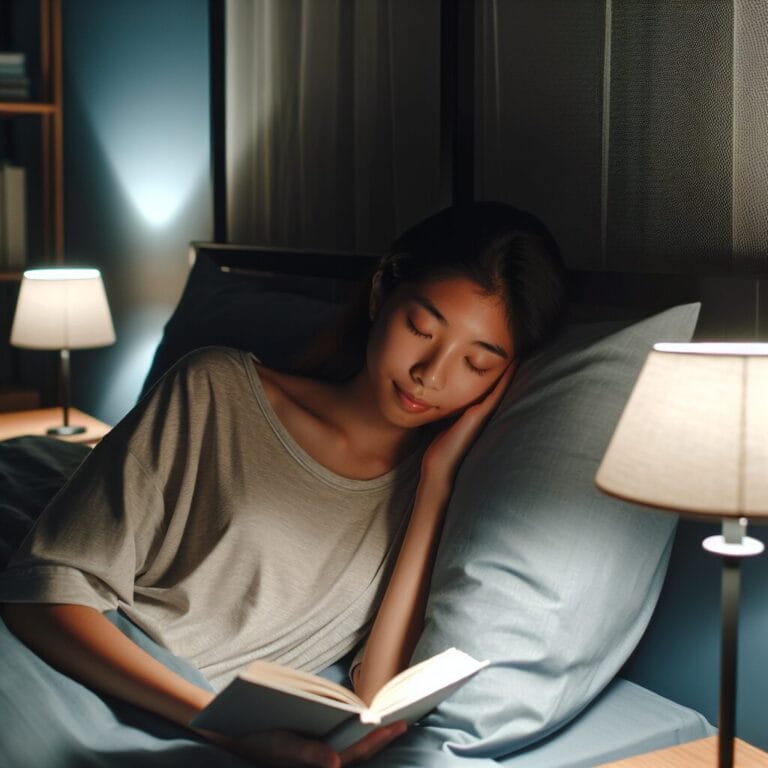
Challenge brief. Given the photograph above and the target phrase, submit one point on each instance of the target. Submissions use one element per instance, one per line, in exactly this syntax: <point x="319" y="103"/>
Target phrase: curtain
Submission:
<point x="332" y="120"/>
<point x="637" y="129"/>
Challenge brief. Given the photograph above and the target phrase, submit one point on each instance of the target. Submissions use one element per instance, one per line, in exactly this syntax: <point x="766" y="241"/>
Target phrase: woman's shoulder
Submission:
<point x="206" y="369"/>
<point x="287" y="390"/>
<point x="203" y="357"/>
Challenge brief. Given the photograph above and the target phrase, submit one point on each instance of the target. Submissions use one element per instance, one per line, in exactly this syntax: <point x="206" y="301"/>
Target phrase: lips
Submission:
<point x="409" y="402"/>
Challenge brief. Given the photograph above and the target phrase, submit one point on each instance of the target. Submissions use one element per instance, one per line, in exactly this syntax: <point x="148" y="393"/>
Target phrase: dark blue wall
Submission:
<point x="137" y="173"/>
<point x="679" y="656"/>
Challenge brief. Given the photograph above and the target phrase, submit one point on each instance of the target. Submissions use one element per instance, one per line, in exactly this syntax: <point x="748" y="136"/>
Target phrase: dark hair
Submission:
<point x="508" y="252"/>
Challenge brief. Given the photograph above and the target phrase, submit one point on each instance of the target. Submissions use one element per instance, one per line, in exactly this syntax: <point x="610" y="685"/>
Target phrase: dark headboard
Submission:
<point x="734" y="306"/>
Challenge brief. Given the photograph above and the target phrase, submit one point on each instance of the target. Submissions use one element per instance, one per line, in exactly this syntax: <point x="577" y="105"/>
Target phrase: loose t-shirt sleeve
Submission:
<point x="103" y="528"/>
<point x="93" y="538"/>
<point x="131" y="502"/>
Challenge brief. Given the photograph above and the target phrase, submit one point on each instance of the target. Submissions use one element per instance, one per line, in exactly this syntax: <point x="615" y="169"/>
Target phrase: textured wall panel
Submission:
<point x="750" y="137"/>
<point x="669" y="182"/>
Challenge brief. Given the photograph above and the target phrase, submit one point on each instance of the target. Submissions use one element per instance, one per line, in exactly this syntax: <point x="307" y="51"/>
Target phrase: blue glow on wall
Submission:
<point x="141" y="333"/>
<point x="137" y="172"/>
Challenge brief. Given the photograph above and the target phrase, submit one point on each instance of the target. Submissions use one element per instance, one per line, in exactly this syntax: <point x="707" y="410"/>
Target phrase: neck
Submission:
<point x="363" y="423"/>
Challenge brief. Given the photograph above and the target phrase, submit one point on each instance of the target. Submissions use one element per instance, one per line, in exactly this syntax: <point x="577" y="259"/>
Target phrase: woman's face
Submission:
<point x="436" y="347"/>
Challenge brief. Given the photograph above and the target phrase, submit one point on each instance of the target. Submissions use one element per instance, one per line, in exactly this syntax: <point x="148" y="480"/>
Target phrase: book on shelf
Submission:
<point x="14" y="60"/>
<point x="14" y="90"/>
<point x="14" y="83"/>
<point x="13" y="217"/>
<point x="267" y="696"/>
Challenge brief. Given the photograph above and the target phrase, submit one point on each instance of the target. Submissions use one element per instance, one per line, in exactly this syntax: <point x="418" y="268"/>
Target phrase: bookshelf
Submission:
<point x="48" y="109"/>
<point x="45" y="191"/>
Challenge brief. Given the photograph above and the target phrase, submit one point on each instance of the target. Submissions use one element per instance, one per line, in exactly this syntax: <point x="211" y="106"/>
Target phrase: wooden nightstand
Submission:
<point x="36" y="422"/>
<point x="694" y="754"/>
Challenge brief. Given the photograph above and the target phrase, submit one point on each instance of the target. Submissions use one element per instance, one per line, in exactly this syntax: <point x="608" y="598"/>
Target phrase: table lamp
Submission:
<point x="62" y="308"/>
<point x="694" y="438"/>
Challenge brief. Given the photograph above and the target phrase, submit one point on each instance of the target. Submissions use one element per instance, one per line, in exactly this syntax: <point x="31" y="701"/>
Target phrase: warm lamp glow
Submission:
<point x="694" y="434"/>
<point x="62" y="309"/>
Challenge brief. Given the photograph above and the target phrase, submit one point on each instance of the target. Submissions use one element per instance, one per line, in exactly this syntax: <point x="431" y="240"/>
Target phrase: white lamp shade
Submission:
<point x="694" y="434"/>
<point x="62" y="309"/>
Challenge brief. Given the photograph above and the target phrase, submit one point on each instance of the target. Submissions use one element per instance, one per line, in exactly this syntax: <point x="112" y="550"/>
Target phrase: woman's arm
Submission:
<point x="85" y="645"/>
<point x="401" y="614"/>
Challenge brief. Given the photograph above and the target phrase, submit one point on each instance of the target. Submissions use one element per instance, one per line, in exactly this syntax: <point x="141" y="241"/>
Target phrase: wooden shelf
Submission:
<point x="48" y="108"/>
<point x="27" y="108"/>
<point x="45" y="191"/>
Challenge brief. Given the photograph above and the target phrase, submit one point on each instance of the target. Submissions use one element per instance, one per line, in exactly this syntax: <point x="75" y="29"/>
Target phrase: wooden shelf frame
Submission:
<point x="50" y="111"/>
<point x="26" y="108"/>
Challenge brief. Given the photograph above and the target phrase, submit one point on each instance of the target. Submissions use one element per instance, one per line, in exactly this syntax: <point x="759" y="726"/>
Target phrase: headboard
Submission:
<point x="731" y="301"/>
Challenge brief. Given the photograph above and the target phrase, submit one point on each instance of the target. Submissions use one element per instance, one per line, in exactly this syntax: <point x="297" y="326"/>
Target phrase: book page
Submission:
<point x="355" y="728"/>
<point x="268" y="673"/>
<point x="424" y="678"/>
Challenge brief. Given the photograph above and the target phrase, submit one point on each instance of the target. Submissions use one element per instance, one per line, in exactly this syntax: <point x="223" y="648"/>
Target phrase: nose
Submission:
<point x="430" y="372"/>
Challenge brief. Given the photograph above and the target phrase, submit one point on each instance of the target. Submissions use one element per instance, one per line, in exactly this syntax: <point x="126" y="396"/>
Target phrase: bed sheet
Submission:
<point x="32" y="469"/>
<point x="624" y="720"/>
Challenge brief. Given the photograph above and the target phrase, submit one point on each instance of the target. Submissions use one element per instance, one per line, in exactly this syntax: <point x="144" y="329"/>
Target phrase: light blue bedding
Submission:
<point x="625" y="720"/>
<point x="49" y="720"/>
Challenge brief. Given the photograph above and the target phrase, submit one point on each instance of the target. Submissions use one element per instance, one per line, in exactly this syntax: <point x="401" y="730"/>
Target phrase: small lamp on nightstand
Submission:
<point x="694" y="438"/>
<point x="62" y="308"/>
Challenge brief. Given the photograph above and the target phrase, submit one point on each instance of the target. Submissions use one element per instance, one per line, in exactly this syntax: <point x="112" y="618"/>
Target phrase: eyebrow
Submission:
<point x="438" y="315"/>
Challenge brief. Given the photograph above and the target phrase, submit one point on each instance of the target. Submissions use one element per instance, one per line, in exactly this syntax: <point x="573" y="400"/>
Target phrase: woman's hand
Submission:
<point x="284" y="749"/>
<point x="374" y="742"/>
<point x="443" y="457"/>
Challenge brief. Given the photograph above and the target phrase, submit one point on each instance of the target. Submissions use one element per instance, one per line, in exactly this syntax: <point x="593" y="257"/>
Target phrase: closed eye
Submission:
<point x="475" y="369"/>
<point x="416" y="332"/>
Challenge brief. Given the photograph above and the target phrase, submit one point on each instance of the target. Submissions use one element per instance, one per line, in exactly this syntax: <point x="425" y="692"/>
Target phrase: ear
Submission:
<point x="374" y="301"/>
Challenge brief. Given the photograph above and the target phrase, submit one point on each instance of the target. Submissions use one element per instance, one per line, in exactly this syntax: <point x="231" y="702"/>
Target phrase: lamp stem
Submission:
<point x="731" y="546"/>
<point x="65" y="384"/>
<point x="731" y="577"/>
<point x="65" y="430"/>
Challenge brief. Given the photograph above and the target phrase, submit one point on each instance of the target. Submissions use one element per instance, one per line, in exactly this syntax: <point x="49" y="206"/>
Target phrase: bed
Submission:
<point x="537" y="571"/>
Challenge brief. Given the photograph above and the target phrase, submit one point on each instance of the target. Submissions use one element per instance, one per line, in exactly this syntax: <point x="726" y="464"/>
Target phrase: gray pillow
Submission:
<point x="537" y="570"/>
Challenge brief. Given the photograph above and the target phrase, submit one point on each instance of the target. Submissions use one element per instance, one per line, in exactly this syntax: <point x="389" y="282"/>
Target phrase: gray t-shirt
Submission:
<point x="203" y="520"/>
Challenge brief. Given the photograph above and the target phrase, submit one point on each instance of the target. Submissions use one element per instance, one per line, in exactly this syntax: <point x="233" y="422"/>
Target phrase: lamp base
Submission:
<point x="65" y="431"/>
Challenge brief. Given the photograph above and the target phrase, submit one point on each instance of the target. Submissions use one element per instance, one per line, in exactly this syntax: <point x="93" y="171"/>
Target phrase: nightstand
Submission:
<point x="694" y="754"/>
<point x="37" y="422"/>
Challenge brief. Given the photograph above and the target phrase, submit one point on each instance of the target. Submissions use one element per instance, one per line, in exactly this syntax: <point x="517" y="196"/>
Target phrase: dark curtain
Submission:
<point x="637" y="129"/>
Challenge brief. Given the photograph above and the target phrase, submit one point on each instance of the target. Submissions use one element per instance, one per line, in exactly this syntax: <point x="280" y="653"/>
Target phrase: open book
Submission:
<point x="267" y="696"/>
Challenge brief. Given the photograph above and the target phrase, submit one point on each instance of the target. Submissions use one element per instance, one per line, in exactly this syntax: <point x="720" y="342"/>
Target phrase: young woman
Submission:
<point x="240" y="512"/>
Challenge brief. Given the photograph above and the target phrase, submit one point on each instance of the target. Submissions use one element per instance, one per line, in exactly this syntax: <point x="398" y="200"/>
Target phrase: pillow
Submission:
<point x="232" y="309"/>
<point x="537" y="570"/>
